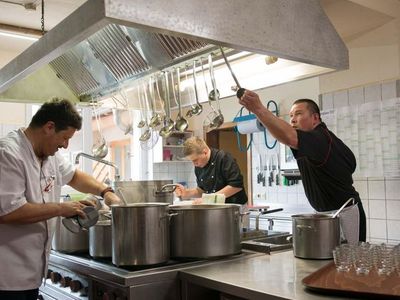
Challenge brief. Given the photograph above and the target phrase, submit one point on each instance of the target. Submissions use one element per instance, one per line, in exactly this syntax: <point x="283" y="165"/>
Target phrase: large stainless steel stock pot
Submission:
<point x="140" y="234"/>
<point x="205" y="231"/>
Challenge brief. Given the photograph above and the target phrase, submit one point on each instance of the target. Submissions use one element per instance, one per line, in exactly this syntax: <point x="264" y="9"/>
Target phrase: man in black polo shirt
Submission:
<point x="325" y="163"/>
<point x="216" y="172"/>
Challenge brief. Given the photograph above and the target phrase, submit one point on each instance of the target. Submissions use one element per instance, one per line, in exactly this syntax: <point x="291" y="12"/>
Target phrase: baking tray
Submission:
<point x="328" y="280"/>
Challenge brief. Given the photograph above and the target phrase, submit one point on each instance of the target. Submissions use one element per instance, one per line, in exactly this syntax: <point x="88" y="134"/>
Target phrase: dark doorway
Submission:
<point x="225" y="138"/>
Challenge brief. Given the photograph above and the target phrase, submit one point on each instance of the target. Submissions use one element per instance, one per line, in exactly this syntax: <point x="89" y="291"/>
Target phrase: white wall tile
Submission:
<point x="392" y="189"/>
<point x="340" y="99"/>
<point x="356" y="96"/>
<point x="377" y="209"/>
<point x="393" y="210"/>
<point x="361" y="187"/>
<point x="365" y="203"/>
<point x="389" y="90"/>
<point x="377" y="241"/>
<point x="327" y="101"/>
<point x="373" y="93"/>
<point x="302" y="199"/>
<point x="393" y="242"/>
<point x="377" y="229"/>
<point x="393" y="230"/>
<point x="376" y="189"/>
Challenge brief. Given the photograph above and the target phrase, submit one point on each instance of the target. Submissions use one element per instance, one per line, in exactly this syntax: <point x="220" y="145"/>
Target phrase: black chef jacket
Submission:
<point x="220" y="171"/>
<point x="326" y="166"/>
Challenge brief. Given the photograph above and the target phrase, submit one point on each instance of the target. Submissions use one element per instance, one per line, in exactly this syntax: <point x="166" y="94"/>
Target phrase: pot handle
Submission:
<point x="307" y="227"/>
<point x="169" y="215"/>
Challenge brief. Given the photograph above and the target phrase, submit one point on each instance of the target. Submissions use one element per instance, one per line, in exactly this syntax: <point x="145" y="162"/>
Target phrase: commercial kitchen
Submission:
<point x="146" y="76"/>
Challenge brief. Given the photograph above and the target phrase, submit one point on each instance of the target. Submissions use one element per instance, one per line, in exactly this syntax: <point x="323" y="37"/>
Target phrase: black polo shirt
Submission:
<point x="326" y="165"/>
<point x="220" y="171"/>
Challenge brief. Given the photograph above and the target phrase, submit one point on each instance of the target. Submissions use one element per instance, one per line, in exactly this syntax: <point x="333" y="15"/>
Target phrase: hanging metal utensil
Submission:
<point x="100" y="148"/>
<point x="190" y="112"/>
<point x="147" y="133"/>
<point x="180" y="123"/>
<point x="214" y="94"/>
<point x="198" y="107"/>
<point x="169" y="124"/>
<point x="240" y="91"/>
<point x="219" y="119"/>
<point x="208" y="121"/>
<point x="142" y="122"/>
<point x="155" y="119"/>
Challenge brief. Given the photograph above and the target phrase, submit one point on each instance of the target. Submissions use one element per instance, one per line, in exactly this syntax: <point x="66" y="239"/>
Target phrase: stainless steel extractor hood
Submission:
<point x="104" y="43"/>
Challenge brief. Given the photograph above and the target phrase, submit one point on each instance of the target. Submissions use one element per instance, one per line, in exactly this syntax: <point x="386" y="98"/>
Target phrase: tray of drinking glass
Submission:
<point x="373" y="285"/>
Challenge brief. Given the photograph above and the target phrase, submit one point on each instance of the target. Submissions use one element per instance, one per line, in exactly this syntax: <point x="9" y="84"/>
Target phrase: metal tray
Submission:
<point x="373" y="286"/>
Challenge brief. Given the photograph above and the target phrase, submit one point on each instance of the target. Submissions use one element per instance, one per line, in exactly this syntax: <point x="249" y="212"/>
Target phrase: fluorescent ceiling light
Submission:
<point x="18" y="36"/>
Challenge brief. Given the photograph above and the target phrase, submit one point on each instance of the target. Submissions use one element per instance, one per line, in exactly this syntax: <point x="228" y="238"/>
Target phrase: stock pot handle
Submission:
<point x="307" y="227"/>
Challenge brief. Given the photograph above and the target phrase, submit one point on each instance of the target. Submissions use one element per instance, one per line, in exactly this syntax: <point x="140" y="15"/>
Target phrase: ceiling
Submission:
<point x="351" y="18"/>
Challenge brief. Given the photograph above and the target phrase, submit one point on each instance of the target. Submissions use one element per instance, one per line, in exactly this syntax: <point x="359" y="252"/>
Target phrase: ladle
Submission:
<point x="219" y="119"/>
<point x="198" y="107"/>
<point x="142" y="122"/>
<point x="343" y="206"/>
<point x="180" y="123"/>
<point x="122" y="116"/>
<point x="214" y="94"/>
<point x="155" y="119"/>
<point x="100" y="149"/>
<point x="193" y="108"/>
<point x="169" y="124"/>
<point x="147" y="133"/>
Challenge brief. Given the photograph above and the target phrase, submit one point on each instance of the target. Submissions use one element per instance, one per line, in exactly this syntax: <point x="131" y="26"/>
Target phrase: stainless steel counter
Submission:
<point x="99" y="279"/>
<point x="276" y="276"/>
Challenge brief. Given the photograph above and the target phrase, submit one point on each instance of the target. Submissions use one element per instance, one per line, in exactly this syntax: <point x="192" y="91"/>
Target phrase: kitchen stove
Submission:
<point x="81" y="277"/>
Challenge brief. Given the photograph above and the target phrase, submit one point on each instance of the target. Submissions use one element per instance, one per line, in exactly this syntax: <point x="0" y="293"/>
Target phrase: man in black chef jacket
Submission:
<point x="326" y="164"/>
<point x="216" y="172"/>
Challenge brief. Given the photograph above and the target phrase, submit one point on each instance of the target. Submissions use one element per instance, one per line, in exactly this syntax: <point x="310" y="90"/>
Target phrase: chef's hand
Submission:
<point x="179" y="190"/>
<point x="197" y="201"/>
<point x="72" y="208"/>
<point x="112" y="198"/>
<point x="251" y="101"/>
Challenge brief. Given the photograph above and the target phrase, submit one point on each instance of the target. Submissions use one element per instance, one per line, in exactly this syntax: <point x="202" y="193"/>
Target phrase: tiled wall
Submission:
<point x="182" y="172"/>
<point x="381" y="200"/>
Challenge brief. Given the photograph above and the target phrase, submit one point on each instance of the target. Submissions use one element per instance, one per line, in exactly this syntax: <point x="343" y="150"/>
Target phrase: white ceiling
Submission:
<point x="351" y="18"/>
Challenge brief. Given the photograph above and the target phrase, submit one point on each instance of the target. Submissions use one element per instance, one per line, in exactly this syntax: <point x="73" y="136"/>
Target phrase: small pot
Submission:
<point x="100" y="239"/>
<point x="68" y="242"/>
<point x="315" y="235"/>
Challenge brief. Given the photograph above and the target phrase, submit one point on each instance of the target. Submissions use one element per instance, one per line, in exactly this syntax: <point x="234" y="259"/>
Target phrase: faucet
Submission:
<point x="106" y="162"/>
<point x="264" y="211"/>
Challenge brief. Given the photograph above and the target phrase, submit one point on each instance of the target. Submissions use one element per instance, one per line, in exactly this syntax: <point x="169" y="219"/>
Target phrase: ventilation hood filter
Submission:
<point x="104" y="43"/>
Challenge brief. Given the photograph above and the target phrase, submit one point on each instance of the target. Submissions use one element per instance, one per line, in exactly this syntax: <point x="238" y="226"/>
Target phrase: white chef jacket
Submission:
<point x="24" y="248"/>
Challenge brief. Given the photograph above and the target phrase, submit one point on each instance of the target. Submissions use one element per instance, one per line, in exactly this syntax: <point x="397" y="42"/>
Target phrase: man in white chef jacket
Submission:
<point x="31" y="176"/>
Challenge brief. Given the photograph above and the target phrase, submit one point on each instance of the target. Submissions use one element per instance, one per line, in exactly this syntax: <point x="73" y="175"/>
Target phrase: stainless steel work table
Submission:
<point x="276" y="276"/>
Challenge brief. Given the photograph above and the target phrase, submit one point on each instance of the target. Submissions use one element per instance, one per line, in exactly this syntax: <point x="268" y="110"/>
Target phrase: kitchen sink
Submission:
<point x="269" y="244"/>
<point x="252" y="234"/>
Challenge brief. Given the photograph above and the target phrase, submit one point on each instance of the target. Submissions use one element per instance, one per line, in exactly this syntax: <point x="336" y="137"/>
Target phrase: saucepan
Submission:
<point x="316" y="235"/>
